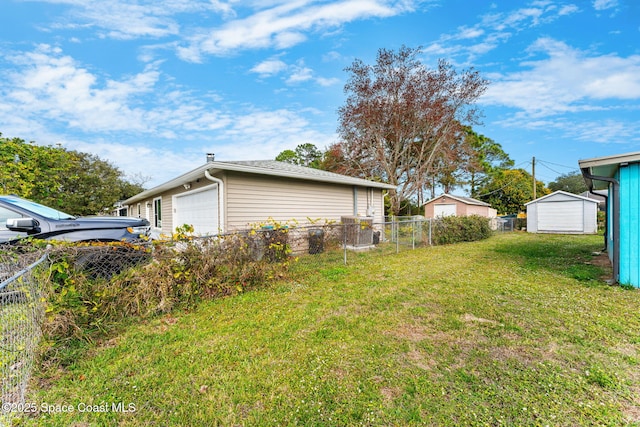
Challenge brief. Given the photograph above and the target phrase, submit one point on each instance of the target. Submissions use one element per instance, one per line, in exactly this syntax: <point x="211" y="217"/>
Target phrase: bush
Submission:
<point x="94" y="287"/>
<point x="455" y="229"/>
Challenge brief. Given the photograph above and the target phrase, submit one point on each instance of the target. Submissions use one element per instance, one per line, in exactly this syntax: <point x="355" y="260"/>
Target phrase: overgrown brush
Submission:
<point x="456" y="229"/>
<point x="95" y="287"/>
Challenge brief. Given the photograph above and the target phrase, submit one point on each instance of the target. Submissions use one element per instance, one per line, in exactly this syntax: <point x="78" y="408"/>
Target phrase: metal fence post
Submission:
<point x="344" y="242"/>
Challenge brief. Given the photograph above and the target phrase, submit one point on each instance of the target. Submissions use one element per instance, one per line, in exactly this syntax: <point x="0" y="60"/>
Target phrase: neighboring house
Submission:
<point x="620" y="175"/>
<point x="450" y="205"/>
<point x="599" y="195"/>
<point x="562" y="212"/>
<point x="220" y="197"/>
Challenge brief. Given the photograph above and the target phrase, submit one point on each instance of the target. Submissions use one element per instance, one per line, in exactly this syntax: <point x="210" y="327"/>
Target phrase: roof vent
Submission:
<point x="210" y="157"/>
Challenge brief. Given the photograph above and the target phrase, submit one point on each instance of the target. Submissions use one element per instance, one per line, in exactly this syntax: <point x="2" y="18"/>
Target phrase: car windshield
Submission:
<point x="37" y="208"/>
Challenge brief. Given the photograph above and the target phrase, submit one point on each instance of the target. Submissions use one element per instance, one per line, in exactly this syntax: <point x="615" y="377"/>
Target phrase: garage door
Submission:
<point x="444" y="210"/>
<point x="198" y="208"/>
<point x="561" y="216"/>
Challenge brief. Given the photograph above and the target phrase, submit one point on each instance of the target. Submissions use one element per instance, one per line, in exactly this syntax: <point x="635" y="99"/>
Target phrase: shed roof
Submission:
<point x="260" y="167"/>
<point x="465" y="200"/>
<point x="599" y="195"/>
<point x="560" y="192"/>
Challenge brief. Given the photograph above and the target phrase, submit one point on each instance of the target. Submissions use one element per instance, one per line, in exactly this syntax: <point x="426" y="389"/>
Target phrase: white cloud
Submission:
<point x="284" y="25"/>
<point x="495" y="29"/>
<point x="605" y="4"/>
<point x="296" y="73"/>
<point x="50" y="96"/>
<point x="157" y="164"/>
<point x="568" y="9"/>
<point x="130" y="19"/>
<point x="566" y="80"/>
<point x="605" y="131"/>
<point x="300" y="74"/>
<point x="269" y="67"/>
<point x="267" y="24"/>
<point x="326" y="82"/>
<point x="49" y="85"/>
<point x="264" y="134"/>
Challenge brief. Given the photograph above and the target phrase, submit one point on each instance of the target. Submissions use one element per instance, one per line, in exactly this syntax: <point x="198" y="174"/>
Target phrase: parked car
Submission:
<point x="21" y="218"/>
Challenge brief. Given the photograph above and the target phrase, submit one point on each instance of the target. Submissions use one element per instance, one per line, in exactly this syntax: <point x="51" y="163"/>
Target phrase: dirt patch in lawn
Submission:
<point x="601" y="259"/>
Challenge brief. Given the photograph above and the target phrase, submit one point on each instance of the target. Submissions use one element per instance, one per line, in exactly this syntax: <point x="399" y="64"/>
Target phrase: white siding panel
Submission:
<point x="198" y="208"/>
<point x="564" y="216"/>
<point x="532" y="218"/>
<point x="448" y="209"/>
<point x="590" y="217"/>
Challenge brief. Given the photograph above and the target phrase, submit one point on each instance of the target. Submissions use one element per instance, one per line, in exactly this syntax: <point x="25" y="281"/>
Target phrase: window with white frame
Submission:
<point x="157" y="212"/>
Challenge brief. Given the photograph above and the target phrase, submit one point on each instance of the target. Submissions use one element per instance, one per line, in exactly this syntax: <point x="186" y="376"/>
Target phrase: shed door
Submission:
<point x="561" y="216"/>
<point x="198" y="208"/>
<point x="444" y="210"/>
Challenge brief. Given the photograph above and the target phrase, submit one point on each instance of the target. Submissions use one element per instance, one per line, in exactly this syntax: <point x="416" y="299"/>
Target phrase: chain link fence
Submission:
<point x="140" y="280"/>
<point x="21" y="316"/>
<point x="358" y="234"/>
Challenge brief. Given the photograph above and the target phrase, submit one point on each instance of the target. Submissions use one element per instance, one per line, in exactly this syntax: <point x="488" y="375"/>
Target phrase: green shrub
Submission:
<point x="95" y="287"/>
<point x="455" y="229"/>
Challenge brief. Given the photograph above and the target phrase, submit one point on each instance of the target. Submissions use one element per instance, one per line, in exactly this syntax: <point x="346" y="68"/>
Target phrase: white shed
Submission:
<point x="562" y="212"/>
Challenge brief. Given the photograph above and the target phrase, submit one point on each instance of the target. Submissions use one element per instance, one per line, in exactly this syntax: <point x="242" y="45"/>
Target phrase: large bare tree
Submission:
<point x="399" y="115"/>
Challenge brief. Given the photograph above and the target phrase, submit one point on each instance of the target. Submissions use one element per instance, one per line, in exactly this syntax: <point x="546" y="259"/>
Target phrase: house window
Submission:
<point x="139" y="209"/>
<point x="157" y="212"/>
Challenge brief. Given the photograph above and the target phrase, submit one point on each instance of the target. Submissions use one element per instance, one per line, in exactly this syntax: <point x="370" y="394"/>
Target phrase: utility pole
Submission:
<point x="533" y="172"/>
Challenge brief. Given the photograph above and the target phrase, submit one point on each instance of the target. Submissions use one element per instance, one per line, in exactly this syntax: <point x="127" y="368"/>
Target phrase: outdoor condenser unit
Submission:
<point x="358" y="231"/>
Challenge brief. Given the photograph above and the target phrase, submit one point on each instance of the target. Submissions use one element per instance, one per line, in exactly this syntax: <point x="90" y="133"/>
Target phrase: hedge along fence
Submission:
<point x="95" y="287"/>
<point x="456" y="229"/>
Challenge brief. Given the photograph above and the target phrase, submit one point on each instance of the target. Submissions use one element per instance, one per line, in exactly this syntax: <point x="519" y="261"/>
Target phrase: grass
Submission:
<point x="515" y="330"/>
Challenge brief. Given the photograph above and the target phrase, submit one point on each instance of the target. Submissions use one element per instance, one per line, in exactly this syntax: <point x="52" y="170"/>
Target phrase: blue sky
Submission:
<point x="152" y="86"/>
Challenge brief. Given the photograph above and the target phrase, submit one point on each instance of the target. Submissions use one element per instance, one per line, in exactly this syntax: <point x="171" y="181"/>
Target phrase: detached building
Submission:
<point x="450" y="205"/>
<point x="620" y="176"/>
<point x="563" y="213"/>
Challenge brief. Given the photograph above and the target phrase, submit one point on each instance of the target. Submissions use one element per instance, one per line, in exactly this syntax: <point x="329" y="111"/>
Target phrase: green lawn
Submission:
<point x="515" y="330"/>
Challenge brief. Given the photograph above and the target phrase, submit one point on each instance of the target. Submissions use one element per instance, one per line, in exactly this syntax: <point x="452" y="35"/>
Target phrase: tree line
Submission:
<point x="75" y="182"/>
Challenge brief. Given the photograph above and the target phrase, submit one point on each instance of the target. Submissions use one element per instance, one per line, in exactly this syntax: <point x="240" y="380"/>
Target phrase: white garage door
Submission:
<point x="561" y="216"/>
<point x="444" y="210"/>
<point x="198" y="208"/>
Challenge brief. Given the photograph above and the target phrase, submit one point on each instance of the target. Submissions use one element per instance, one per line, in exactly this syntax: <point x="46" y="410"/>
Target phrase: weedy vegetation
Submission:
<point x="517" y="329"/>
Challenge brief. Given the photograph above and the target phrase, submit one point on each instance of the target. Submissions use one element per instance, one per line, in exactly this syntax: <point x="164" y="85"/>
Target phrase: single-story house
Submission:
<point x="225" y="196"/>
<point x="562" y="212"/>
<point x="450" y="205"/>
<point x="599" y="195"/>
<point x="620" y="175"/>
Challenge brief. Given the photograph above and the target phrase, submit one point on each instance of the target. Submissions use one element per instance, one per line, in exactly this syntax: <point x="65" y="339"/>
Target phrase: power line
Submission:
<point x="557" y="164"/>
<point x="501" y="188"/>
<point x="552" y="170"/>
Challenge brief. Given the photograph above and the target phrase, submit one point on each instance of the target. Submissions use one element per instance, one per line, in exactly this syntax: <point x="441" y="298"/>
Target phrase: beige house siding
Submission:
<point x="168" y="227"/>
<point x="251" y="198"/>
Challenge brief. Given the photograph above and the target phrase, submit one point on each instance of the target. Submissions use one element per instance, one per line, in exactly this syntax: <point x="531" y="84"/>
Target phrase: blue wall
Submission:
<point x="629" y="178"/>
